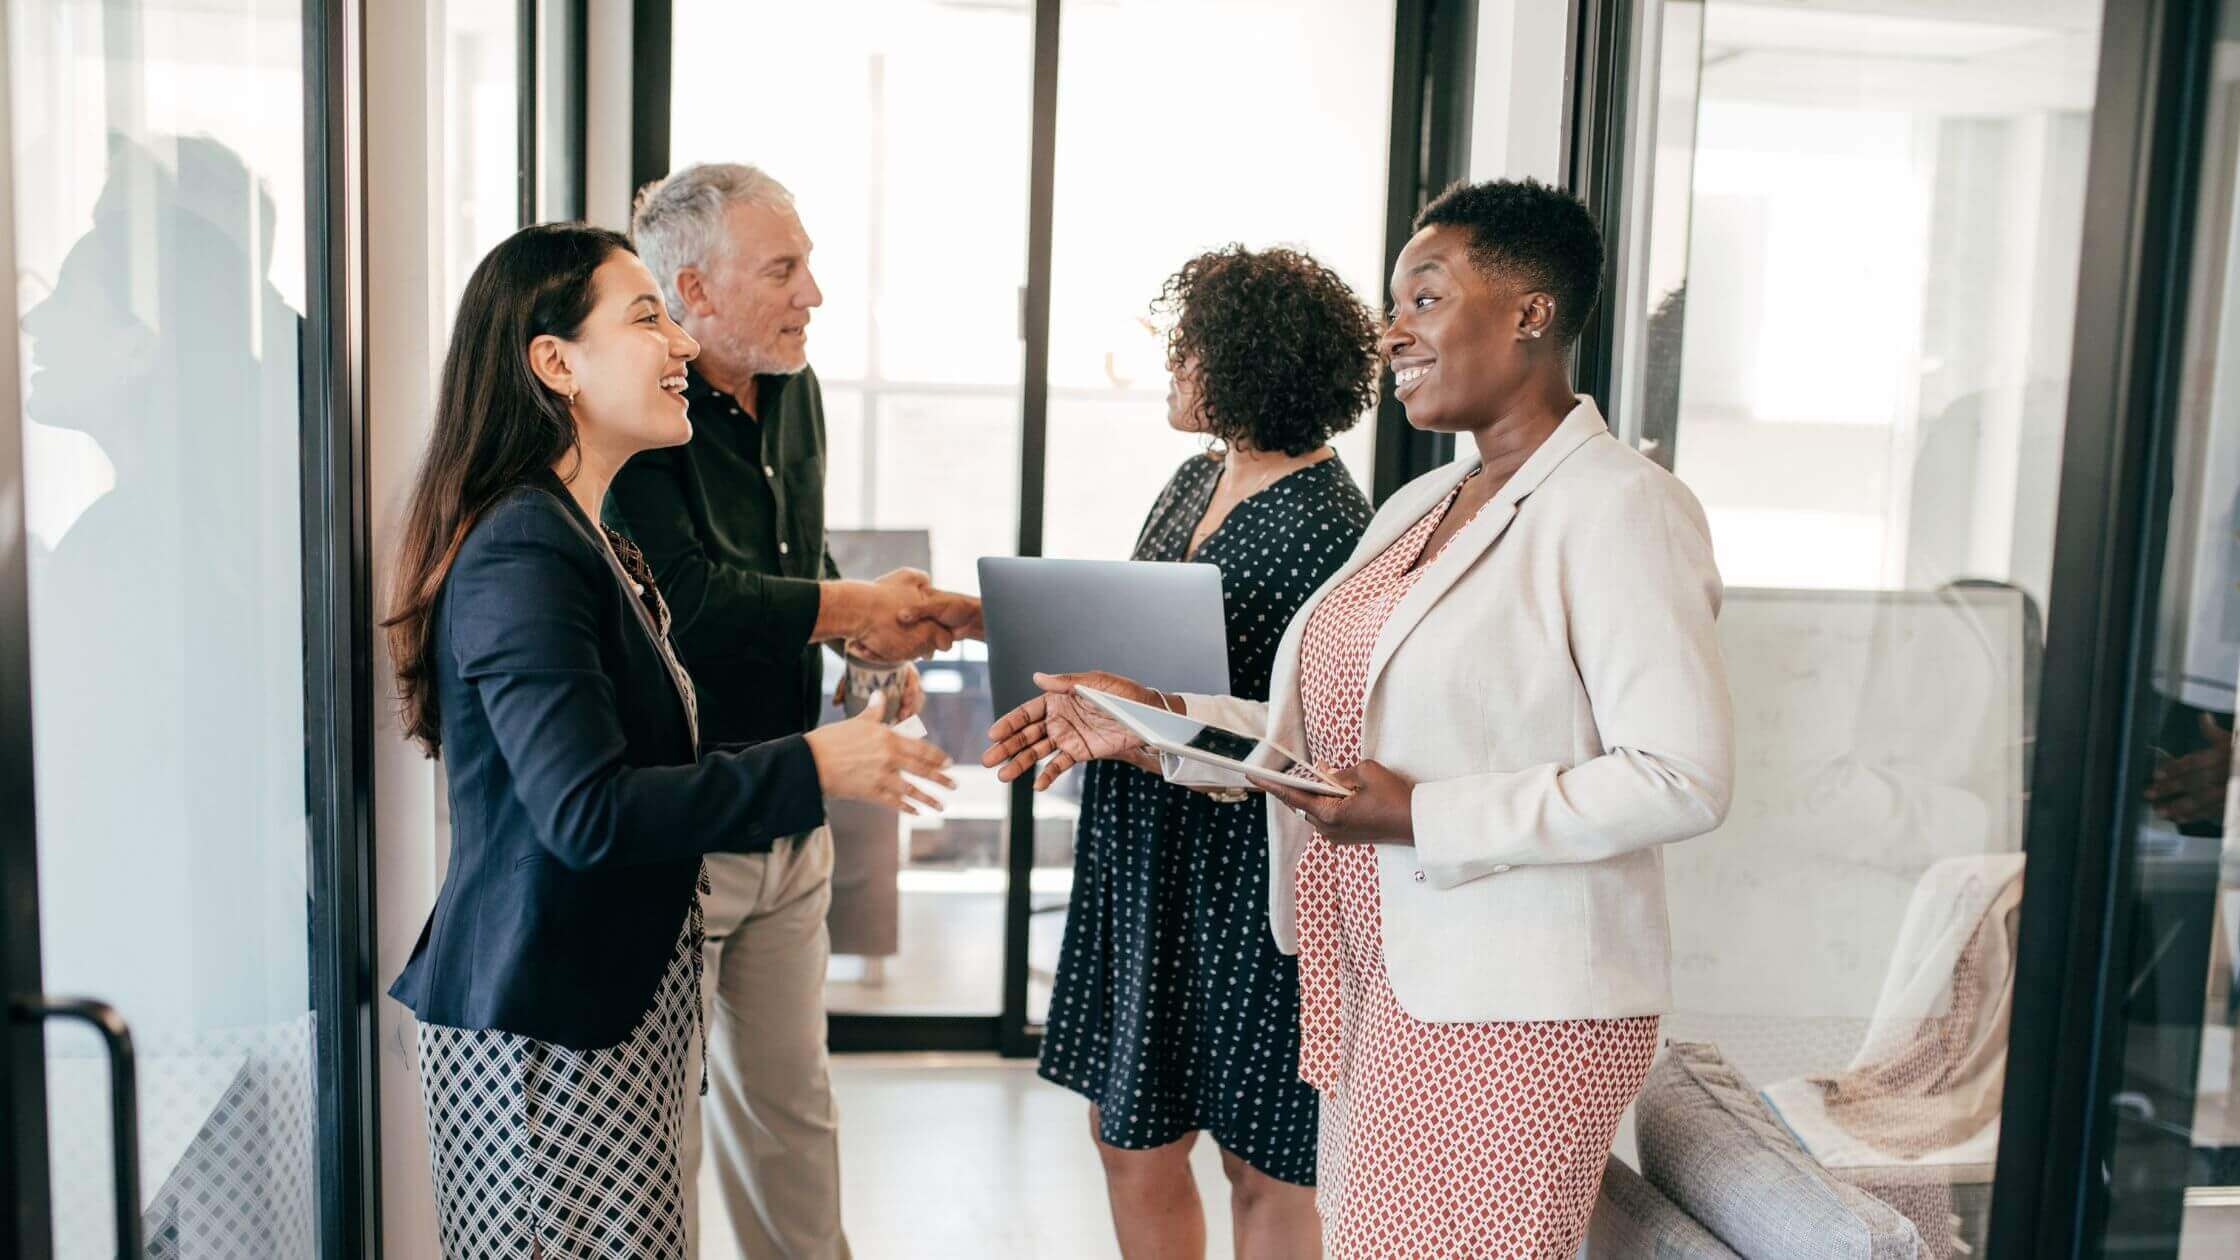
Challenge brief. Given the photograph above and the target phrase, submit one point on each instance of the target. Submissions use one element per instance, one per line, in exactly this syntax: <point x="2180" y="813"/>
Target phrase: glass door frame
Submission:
<point x="337" y="677"/>
<point x="2048" y="1197"/>
<point x="2116" y="484"/>
<point x="1433" y="55"/>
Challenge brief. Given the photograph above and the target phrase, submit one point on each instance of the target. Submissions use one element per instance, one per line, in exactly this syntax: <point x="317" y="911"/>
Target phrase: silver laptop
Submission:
<point x="1160" y="624"/>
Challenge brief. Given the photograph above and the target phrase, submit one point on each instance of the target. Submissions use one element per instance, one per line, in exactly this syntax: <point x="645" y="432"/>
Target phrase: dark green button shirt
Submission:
<point x="732" y="524"/>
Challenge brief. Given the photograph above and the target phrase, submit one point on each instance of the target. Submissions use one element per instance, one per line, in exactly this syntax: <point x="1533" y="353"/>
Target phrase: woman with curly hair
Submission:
<point x="1174" y="1012"/>
<point x="1517" y="676"/>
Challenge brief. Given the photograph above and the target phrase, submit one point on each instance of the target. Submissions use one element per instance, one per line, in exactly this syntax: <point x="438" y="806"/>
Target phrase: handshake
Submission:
<point x="899" y="617"/>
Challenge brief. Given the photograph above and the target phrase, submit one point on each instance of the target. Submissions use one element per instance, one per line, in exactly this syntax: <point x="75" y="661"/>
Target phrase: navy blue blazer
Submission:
<point x="580" y="806"/>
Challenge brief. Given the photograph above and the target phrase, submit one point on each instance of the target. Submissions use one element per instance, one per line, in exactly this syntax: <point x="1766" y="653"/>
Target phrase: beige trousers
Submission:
<point x="771" y="1129"/>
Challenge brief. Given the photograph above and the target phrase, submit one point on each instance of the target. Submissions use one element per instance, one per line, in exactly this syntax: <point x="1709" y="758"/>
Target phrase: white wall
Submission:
<point x="1516" y="123"/>
<point x="606" y="155"/>
<point x="404" y="105"/>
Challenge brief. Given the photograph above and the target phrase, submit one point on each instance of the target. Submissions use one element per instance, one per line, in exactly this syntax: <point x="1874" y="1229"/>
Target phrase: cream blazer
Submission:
<point x="1554" y="687"/>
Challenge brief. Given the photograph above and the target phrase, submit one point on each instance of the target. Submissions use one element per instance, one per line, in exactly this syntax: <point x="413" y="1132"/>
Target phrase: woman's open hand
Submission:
<point x="1066" y="729"/>
<point x="862" y="760"/>
<point x="1378" y="812"/>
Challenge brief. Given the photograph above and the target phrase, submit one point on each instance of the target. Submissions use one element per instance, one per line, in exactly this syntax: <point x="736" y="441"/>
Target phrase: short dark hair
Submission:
<point x="1527" y="232"/>
<point x="1286" y="353"/>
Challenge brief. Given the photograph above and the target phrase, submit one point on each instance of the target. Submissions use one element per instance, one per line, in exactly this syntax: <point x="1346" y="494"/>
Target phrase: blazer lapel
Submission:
<point x="1286" y="720"/>
<point x="1475" y="539"/>
<point x="596" y="539"/>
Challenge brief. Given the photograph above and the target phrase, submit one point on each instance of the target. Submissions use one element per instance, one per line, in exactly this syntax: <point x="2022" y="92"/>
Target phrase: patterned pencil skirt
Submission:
<point x="542" y="1150"/>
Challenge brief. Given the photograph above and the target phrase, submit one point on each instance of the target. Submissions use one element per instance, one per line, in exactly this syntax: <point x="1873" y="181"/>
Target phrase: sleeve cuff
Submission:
<point x="1441" y="817"/>
<point x="792" y="616"/>
<point x="793" y="802"/>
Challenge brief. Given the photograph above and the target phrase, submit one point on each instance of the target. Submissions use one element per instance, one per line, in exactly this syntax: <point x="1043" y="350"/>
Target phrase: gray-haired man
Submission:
<point x="733" y="526"/>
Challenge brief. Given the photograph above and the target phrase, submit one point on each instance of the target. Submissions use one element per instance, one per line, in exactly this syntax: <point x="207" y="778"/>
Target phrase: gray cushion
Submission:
<point x="1632" y="1221"/>
<point x="1709" y="1143"/>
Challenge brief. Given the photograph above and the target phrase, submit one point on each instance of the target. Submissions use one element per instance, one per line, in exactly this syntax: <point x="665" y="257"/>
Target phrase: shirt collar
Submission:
<point x="701" y="398"/>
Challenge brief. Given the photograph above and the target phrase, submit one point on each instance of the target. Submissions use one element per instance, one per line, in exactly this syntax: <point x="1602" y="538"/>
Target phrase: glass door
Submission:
<point x="901" y="128"/>
<point x="1303" y="97"/>
<point x="2170" y="1090"/>
<point x="1847" y="299"/>
<point x="158" y="170"/>
<point x="912" y="174"/>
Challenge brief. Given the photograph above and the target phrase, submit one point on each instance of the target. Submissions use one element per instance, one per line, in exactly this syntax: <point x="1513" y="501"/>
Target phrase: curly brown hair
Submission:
<point x="1286" y="354"/>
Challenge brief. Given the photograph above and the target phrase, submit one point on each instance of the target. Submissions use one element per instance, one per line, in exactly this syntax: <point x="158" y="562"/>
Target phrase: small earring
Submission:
<point x="1536" y="333"/>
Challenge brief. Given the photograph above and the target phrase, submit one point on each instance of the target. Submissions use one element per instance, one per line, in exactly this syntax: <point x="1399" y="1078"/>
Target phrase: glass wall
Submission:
<point x="903" y="132"/>
<point x="2174" y="1092"/>
<point x="1848" y="328"/>
<point x="902" y="129"/>
<point x="158" y="155"/>
<point x="1301" y="103"/>
<point x="478" y="194"/>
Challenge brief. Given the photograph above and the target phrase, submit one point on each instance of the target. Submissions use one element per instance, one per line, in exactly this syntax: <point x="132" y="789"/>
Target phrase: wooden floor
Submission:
<point x="970" y="1156"/>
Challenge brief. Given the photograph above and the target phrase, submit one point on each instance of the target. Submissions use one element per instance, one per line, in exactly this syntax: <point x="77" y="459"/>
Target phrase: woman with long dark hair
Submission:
<point x="557" y="979"/>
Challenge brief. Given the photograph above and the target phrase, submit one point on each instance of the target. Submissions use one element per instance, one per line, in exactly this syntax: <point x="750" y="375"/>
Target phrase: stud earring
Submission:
<point x="1536" y="333"/>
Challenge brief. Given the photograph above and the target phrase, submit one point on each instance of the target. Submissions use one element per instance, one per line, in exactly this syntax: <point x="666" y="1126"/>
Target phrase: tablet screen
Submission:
<point x="1189" y="732"/>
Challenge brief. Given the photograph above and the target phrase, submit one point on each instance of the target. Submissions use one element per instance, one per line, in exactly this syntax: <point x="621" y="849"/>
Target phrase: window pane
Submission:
<point x="1157" y="166"/>
<point x="902" y="128"/>
<point x="1862" y="250"/>
<point x="2174" y="1095"/>
<point x="159" y="182"/>
<point x="480" y="196"/>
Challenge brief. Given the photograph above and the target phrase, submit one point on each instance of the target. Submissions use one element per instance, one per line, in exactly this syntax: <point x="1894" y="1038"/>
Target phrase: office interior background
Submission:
<point x="1935" y="305"/>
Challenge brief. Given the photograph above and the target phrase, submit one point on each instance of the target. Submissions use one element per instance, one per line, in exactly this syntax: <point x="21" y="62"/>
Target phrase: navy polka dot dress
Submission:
<point x="1173" y="1010"/>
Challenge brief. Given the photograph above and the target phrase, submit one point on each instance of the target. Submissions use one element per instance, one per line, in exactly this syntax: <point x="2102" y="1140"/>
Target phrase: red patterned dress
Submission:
<point x="1445" y="1140"/>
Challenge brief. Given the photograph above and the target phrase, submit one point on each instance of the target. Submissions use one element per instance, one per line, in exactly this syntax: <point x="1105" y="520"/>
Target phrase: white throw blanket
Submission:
<point x="1925" y="1086"/>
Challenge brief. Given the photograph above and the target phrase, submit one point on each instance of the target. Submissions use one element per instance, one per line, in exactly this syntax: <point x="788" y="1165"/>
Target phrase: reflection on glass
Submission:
<point x="1851" y="335"/>
<point x="2174" y="1175"/>
<point x="902" y="127"/>
<point x="162" y="280"/>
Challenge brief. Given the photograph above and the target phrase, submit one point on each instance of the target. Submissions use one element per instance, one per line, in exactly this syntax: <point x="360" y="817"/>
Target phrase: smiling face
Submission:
<point x="625" y="366"/>
<point x="1460" y="343"/>
<point x="752" y="306"/>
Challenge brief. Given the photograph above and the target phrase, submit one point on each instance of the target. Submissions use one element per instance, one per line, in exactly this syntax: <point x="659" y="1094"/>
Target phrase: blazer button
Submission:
<point x="1419" y="877"/>
<point x="783" y="549"/>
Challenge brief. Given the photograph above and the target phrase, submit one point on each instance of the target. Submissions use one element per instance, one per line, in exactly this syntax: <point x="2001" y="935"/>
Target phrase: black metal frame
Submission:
<point x="1014" y="1036"/>
<point x="579" y="107"/>
<point x="526" y="80"/>
<point x="652" y="49"/>
<point x="1602" y="57"/>
<point x="26" y="1226"/>
<point x="338" y="649"/>
<point x="1434" y="55"/>
<point x="2051" y="1194"/>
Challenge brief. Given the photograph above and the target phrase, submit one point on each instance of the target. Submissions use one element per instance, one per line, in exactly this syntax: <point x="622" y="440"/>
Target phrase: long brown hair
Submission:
<point x="496" y="426"/>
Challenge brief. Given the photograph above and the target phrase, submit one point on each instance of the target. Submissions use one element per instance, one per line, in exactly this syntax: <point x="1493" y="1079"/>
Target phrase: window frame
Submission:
<point x="1433" y="60"/>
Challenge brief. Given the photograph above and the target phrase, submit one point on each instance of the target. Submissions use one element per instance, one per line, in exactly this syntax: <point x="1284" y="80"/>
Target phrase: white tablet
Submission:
<point x="1193" y="740"/>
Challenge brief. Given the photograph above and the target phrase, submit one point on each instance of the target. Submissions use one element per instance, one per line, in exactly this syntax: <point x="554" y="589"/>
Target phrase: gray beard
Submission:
<point x="755" y="363"/>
